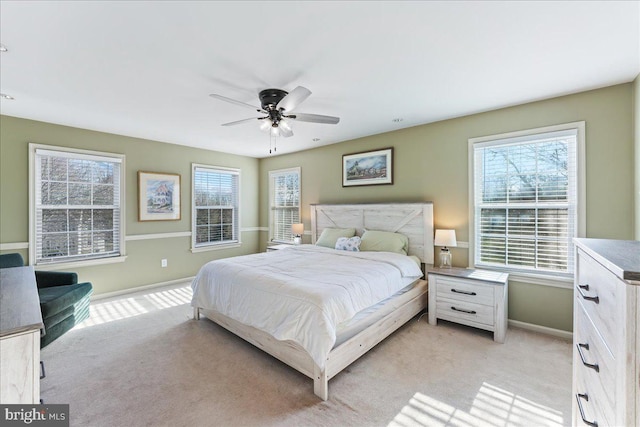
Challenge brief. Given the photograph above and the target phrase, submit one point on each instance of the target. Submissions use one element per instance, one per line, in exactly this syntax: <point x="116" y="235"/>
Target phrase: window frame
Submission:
<point x="563" y="280"/>
<point x="212" y="246"/>
<point x="73" y="263"/>
<point x="272" y="175"/>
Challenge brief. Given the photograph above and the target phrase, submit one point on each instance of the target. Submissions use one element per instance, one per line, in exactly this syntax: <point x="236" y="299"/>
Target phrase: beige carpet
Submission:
<point x="140" y="360"/>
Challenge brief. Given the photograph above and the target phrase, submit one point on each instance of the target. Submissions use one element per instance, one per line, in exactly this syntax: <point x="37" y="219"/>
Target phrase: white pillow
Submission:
<point x="348" y="244"/>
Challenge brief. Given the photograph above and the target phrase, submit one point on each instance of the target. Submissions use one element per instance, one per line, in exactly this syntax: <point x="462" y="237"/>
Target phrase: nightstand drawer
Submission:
<point x="459" y="290"/>
<point x="458" y="311"/>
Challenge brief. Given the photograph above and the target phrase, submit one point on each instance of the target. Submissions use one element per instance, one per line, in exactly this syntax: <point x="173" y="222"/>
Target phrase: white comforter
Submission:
<point x="301" y="293"/>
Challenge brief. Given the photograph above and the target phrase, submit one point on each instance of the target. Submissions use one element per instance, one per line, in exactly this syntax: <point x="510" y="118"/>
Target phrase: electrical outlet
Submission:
<point x="163" y="263"/>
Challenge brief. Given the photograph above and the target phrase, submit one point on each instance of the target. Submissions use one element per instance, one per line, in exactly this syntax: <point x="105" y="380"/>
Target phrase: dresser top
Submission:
<point x="19" y="301"/>
<point x="621" y="257"/>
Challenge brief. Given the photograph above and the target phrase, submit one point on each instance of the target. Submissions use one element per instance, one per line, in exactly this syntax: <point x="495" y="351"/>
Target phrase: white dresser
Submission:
<point x="20" y="324"/>
<point x="606" y="325"/>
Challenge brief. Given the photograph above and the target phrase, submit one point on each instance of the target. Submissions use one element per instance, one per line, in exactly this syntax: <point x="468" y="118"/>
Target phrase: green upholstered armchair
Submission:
<point x="63" y="301"/>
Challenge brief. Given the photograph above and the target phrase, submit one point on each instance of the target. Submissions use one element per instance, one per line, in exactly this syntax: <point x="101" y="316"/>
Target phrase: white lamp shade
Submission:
<point x="297" y="229"/>
<point x="445" y="238"/>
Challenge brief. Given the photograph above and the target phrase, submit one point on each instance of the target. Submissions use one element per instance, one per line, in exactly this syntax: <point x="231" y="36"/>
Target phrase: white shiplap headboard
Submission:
<point x="414" y="220"/>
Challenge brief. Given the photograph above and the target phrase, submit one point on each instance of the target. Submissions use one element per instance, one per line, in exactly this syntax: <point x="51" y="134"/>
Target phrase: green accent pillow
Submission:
<point x="329" y="236"/>
<point x="384" y="241"/>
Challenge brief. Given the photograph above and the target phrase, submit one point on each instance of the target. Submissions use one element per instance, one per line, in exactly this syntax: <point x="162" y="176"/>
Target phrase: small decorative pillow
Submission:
<point x="348" y="244"/>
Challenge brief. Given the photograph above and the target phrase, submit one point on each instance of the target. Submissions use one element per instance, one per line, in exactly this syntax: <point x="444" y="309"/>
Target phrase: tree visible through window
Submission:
<point x="525" y="202"/>
<point x="284" y="197"/>
<point x="77" y="206"/>
<point x="215" y="205"/>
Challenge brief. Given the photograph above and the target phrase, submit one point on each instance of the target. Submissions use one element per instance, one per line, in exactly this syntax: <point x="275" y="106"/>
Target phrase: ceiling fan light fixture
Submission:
<point x="265" y="126"/>
<point x="275" y="131"/>
<point x="284" y="124"/>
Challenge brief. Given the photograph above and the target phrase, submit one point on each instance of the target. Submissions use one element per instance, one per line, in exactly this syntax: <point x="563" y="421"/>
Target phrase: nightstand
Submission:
<point x="470" y="297"/>
<point x="277" y="247"/>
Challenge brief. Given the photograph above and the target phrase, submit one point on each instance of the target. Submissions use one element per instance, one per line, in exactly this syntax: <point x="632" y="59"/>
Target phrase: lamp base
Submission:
<point x="445" y="258"/>
<point x="297" y="240"/>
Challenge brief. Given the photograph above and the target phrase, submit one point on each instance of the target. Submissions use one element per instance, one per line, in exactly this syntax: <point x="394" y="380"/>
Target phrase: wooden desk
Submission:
<point x="20" y="325"/>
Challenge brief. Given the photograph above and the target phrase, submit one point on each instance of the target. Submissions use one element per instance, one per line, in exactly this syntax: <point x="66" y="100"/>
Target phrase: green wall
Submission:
<point x="142" y="266"/>
<point x="431" y="164"/>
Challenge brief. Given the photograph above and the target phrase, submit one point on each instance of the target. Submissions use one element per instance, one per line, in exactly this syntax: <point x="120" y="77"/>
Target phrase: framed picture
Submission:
<point x="158" y="196"/>
<point x="368" y="168"/>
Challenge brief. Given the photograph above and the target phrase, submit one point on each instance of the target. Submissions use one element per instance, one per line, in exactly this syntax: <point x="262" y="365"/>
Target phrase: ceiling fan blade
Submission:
<point x="294" y="98"/>
<point x="237" y="122"/>
<point x="233" y="101"/>
<point x="314" y="118"/>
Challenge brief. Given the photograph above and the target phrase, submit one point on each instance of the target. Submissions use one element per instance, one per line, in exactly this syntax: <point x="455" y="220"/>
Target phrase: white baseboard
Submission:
<point x="105" y="295"/>
<point x="542" y="329"/>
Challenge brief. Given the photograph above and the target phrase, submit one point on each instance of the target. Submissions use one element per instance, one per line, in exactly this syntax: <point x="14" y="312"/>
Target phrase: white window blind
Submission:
<point x="526" y="202"/>
<point x="215" y="206"/>
<point x="77" y="202"/>
<point x="285" y="203"/>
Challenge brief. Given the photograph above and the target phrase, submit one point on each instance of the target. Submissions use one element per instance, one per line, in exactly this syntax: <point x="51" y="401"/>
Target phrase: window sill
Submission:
<point x="555" y="282"/>
<point x="78" y="264"/>
<point x="535" y="279"/>
<point x="216" y="247"/>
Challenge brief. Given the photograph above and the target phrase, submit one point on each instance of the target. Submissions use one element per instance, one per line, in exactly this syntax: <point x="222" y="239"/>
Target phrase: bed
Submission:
<point x="307" y="305"/>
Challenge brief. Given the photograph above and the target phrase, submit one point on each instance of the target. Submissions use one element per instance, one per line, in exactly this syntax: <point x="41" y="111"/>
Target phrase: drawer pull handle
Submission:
<point x="463" y="311"/>
<point x="463" y="292"/>
<point x="585" y="397"/>
<point x="594" y="366"/>
<point x="595" y="299"/>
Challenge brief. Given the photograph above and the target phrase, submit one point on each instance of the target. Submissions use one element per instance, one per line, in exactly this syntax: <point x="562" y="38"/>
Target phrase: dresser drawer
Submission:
<point x="593" y="361"/>
<point x="464" y="312"/>
<point x="594" y="405"/>
<point x="595" y="289"/>
<point x="459" y="290"/>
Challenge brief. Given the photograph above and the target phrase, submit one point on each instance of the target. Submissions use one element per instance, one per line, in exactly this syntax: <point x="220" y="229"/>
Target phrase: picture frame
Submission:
<point x="368" y="168"/>
<point x="158" y="196"/>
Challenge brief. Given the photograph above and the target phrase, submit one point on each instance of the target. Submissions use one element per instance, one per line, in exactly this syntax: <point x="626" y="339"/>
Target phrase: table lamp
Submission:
<point x="297" y="230"/>
<point x="445" y="238"/>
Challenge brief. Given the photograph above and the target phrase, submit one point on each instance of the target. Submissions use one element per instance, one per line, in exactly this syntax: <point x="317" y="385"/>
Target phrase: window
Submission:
<point x="284" y="199"/>
<point x="527" y="198"/>
<point x="77" y="205"/>
<point x="215" y="207"/>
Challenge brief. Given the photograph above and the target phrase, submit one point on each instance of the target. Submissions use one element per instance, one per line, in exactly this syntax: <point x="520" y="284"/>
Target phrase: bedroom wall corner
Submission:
<point x="146" y="242"/>
<point x="430" y="164"/>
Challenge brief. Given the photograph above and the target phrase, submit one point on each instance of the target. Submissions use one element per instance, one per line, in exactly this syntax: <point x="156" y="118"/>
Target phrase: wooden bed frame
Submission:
<point x="415" y="220"/>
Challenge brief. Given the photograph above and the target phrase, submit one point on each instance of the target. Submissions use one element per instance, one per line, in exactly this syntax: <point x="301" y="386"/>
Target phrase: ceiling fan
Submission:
<point x="278" y="105"/>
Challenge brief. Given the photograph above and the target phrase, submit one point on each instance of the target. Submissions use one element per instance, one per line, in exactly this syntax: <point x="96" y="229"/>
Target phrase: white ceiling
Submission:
<point x="145" y="69"/>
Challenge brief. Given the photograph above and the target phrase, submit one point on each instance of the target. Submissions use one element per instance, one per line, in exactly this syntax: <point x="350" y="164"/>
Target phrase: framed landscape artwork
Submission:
<point x="368" y="168"/>
<point x="158" y="196"/>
